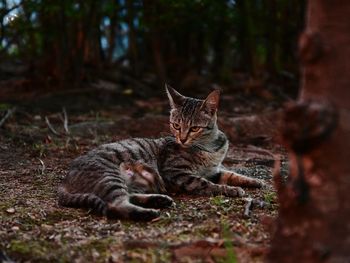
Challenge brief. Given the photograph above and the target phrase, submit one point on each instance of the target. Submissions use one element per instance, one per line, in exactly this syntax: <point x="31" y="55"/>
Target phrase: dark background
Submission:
<point x="134" y="47"/>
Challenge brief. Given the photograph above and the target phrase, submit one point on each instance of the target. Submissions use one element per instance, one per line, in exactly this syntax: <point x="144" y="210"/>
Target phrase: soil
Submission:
<point x="33" y="161"/>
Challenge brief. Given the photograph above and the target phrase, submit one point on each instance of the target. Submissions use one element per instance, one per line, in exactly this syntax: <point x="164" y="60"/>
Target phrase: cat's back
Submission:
<point x="104" y="162"/>
<point x="111" y="155"/>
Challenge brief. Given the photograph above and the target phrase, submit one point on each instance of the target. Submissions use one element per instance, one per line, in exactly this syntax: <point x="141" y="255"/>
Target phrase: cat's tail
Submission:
<point x="81" y="200"/>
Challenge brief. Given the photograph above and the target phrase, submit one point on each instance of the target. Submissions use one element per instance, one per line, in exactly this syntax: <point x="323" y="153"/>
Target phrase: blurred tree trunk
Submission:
<point x="92" y="51"/>
<point x="52" y="65"/>
<point x="151" y="12"/>
<point x="314" y="214"/>
<point x="112" y="33"/>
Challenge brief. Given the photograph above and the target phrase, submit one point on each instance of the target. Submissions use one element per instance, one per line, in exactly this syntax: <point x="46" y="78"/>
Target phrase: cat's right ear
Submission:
<point x="175" y="98"/>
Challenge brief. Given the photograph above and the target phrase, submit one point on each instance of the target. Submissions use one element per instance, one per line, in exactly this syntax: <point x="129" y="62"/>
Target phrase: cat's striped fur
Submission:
<point x="189" y="162"/>
<point x="141" y="178"/>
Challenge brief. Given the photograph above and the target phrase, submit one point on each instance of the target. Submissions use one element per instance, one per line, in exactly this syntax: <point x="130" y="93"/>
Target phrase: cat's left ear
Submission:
<point x="175" y="98"/>
<point x="211" y="103"/>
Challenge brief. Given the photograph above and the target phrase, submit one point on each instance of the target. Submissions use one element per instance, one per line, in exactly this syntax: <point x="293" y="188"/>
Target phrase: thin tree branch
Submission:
<point x="248" y="207"/>
<point x="43" y="167"/>
<point x="65" y="120"/>
<point x="51" y="128"/>
<point x="5" y="12"/>
<point x="7" y="115"/>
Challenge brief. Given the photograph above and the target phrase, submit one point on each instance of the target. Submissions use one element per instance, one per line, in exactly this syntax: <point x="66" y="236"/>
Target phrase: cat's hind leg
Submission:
<point x="121" y="208"/>
<point x="151" y="200"/>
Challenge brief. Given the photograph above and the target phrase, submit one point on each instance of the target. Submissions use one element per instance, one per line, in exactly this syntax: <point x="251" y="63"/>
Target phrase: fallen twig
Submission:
<point x="259" y="204"/>
<point x="7" y="115"/>
<point x="43" y="167"/>
<point x="65" y="120"/>
<point x="247" y="207"/>
<point x="51" y="128"/>
<point x="251" y="204"/>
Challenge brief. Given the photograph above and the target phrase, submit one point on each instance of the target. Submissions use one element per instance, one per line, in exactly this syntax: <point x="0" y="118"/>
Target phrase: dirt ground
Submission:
<point x="33" y="161"/>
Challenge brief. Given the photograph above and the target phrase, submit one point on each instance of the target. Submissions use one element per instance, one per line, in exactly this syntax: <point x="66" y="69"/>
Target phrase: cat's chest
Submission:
<point x="209" y="162"/>
<point x="216" y="157"/>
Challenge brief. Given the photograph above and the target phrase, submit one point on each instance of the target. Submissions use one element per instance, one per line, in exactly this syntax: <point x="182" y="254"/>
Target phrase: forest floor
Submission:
<point x="33" y="161"/>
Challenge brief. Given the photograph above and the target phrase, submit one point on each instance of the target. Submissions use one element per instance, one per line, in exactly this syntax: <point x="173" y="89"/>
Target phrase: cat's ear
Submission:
<point x="211" y="103"/>
<point x="175" y="98"/>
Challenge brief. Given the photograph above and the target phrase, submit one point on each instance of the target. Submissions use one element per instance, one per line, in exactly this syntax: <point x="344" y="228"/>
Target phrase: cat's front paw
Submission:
<point x="233" y="191"/>
<point x="160" y="201"/>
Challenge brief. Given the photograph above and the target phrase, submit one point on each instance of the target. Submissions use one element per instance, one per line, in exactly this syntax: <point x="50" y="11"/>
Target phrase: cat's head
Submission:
<point x="193" y="121"/>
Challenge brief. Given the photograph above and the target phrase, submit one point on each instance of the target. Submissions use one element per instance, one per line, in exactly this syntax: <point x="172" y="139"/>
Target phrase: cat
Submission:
<point x="189" y="162"/>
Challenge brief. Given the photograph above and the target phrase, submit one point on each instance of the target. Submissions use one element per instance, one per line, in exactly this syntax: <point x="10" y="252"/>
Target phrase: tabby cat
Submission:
<point x="189" y="162"/>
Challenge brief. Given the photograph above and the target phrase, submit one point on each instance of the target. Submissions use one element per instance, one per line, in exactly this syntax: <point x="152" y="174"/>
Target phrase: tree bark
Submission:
<point x="314" y="215"/>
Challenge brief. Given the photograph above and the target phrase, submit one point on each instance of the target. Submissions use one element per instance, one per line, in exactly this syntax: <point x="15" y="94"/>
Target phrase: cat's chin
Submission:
<point x="184" y="145"/>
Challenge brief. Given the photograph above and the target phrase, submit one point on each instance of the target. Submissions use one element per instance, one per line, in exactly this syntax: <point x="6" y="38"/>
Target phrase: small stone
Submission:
<point x="215" y="235"/>
<point x="10" y="210"/>
<point x="46" y="227"/>
<point x="15" y="228"/>
<point x="37" y="117"/>
<point x="95" y="254"/>
<point x="128" y="92"/>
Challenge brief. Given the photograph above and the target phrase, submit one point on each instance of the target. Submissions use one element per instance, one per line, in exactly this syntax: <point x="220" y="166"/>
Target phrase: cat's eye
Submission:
<point x="195" y="129"/>
<point x="176" y="126"/>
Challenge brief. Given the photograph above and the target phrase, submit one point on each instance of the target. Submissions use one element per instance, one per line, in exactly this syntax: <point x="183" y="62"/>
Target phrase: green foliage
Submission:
<point x="35" y="249"/>
<point x="270" y="197"/>
<point x="5" y="106"/>
<point x="217" y="200"/>
<point x="231" y="255"/>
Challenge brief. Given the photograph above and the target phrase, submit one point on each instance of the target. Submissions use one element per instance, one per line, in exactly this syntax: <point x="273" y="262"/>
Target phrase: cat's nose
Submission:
<point x="183" y="140"/>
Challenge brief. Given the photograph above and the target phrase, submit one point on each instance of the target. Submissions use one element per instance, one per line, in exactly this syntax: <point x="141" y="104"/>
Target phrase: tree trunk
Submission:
<point x="245" y="37"/>
<point x="272" y="32"/>
<point x="314" y="215"/>
<point x="151" y="10"/>
<point x="132" y="34"/>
